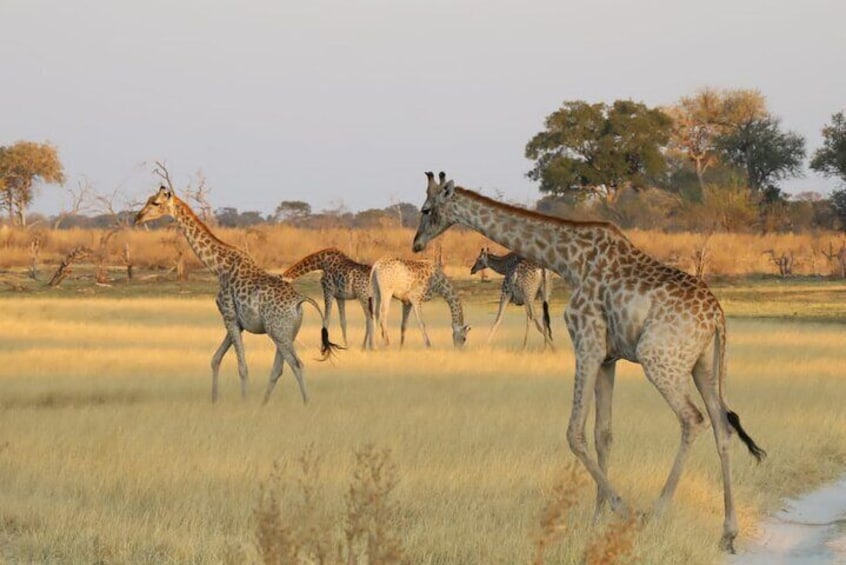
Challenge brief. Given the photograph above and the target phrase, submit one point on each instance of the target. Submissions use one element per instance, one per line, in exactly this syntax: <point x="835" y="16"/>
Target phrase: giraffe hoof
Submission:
<point x="727" y="543"/>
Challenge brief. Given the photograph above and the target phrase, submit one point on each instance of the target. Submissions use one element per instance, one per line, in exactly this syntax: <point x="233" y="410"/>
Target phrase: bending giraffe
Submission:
<point x="343" y="279"/>
<point x="625" y="305"/>
<point x="413" y="282"/>
<point x="522" y="284"/>
<point x="249" y="297"/>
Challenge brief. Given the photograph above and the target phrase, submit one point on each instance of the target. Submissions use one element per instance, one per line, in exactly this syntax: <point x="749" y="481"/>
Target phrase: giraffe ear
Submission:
<point x="448" y="190"/>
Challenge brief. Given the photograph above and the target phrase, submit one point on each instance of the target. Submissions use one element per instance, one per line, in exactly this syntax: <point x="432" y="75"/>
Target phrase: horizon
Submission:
<point x="334" y="104"/>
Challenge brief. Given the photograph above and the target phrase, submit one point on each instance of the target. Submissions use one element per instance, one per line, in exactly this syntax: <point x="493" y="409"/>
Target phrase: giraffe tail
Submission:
<point x="327" y="348"/>
<point x="545" y="284"/>
<point x="732" y="417"/>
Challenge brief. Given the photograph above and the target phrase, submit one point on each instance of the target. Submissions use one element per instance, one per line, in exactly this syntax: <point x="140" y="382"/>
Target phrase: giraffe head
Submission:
<point x="435" y="215"/>
<point x="459" y="335"/>
<point x="481" y="261"/>
<point x="158" y="205"/>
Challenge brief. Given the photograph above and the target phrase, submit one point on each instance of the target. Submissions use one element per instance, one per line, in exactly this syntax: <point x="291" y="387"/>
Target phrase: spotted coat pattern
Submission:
<point x="523" y="282"/>
<point x="249" y="298"/>
<point x="412" y="283"/>
<point x="342" y="279"/>
<point x="624" y="305"/>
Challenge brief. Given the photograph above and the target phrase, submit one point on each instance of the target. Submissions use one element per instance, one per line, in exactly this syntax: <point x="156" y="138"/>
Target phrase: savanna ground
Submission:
<point x="111" y="451"/>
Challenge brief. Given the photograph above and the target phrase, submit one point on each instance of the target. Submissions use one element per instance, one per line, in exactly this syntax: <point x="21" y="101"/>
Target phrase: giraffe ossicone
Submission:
<point x="624" y="305"/>
<point x="249" y="298"/>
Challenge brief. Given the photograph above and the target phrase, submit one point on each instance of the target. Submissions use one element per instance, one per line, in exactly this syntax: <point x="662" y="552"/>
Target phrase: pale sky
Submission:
<point x="350" y="102"/>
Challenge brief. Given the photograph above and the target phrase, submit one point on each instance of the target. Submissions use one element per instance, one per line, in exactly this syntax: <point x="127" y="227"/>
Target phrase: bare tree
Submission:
<point x="81" y="201"/>
<point x="783" y="262"/>
<point x="199" y="196"/>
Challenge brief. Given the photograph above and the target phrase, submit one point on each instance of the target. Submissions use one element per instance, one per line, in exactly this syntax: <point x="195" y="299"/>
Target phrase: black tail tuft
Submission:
<point x="758" y="453"/>
<point x="327" y="348"/>
<point x="547" y="321"/>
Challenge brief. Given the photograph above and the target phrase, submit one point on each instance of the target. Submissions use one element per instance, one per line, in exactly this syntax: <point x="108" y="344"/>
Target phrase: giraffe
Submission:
<point x="524" y="282"/>
<point x="343" y="279"/>
<point x="624" y="305"/>
<point x="413" y="282"/>
<point x="249" y="298"/>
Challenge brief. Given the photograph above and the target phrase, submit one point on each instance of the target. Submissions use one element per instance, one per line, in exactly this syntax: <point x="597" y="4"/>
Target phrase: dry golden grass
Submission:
<point x="728" y="254"/>
<point x="111" y="451"/>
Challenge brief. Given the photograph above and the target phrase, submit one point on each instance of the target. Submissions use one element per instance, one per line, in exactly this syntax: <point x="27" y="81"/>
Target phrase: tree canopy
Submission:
<point x="699" y="120"/>
<point x="764" y="152"/>
<point x="596" y="149"/>
<point x="830" y="159"/>
<point x="21" y="166"/>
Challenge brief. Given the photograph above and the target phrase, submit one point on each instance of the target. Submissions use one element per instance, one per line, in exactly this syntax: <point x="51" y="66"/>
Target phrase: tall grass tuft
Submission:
<point x="304" y="531"/>
<point x="555" y="515"/>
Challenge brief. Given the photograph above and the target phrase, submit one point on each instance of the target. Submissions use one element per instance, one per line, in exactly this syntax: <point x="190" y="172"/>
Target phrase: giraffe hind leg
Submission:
<point x="707" y="387"/>
<point x="275" y="373"/>
<point x="670" y="377"/>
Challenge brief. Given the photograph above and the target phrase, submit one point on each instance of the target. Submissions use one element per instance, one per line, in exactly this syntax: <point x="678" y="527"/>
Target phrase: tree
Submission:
<point x="700" y="119"/>
<point x="594" y="149"/>
<point x="830" y="159"/>
<point x="292" y="211"/>
<point x="21" y="166"/>
<point x="838" y="203"/>
<point x="765" y="153"/>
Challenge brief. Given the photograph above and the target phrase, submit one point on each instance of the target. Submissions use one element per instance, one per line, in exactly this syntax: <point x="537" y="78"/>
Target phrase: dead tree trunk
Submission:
<point x="65" y="267"/>
<point x="34" y="252"/>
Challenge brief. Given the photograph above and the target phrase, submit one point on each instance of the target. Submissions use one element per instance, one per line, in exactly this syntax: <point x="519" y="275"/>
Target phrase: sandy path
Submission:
<point x="808" y="530"/>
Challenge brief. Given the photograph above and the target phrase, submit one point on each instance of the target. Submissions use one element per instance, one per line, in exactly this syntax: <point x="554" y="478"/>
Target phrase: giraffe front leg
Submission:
<point x="243" y="373"/>
<point x="588" y="361"/>
<point x="215" y="363"/>
<point x="603" y="438"/>
<point x="419" y="315"/>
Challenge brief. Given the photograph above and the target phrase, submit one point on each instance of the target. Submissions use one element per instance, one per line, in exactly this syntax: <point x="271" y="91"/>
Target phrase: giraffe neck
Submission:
<point x="503" y="264"/>
<point x="441" y="285"/>
<point x="217" y="256"/>
<point x="560" y="245"/>
<point x="314" y="262"/>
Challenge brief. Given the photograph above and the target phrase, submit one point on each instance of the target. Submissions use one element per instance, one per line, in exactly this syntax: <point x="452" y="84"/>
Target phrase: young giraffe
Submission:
<point x="343" y="279"/>
<point x="413" y="282"/>
<point x="249" y="298"/>
<point x="625" y="305"/>
<point x="522" y="284"/>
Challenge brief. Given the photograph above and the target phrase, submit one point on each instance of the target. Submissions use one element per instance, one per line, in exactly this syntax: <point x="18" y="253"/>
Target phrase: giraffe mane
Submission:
<point x="186" y="209"/>
<point x="531" y="214"/>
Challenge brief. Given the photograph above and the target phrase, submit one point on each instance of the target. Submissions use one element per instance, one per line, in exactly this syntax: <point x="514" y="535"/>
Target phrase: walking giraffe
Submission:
<point x="625" y="305"/>
<point x="249" y="297"/>
<point x="522" y="284"/>
<point x="413" y="282"/>
<point x="343" y="279"/>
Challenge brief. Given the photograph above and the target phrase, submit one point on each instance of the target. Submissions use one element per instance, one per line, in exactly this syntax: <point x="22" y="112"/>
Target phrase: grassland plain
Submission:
<point x="111" y="451"/>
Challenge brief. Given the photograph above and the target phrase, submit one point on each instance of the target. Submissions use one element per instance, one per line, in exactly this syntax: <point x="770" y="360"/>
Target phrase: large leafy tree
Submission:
<point x="22" y="165"/>
<point x="596" y="149"/>
<point x="763" y="152"/>
<point x="699" y="120"/>
<point x="830" y="159"/>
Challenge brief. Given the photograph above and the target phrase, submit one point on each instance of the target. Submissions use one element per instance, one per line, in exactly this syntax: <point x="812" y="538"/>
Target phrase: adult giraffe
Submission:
<point x="249" y="297"/>
<point x="625" y="305"/>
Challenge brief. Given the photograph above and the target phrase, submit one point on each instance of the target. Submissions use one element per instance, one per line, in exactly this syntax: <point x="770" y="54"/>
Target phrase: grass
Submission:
<point x="110" y="450"/>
